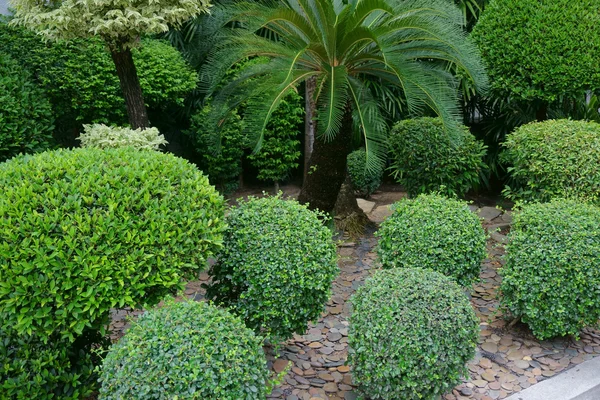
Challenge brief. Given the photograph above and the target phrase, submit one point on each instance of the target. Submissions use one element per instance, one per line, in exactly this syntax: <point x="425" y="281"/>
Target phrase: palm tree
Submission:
<point x="409" y="46"/>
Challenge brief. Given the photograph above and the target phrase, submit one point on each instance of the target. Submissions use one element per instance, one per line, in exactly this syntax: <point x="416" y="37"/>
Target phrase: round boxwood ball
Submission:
<point x="412" y="331"/>
<point x="365" y="181"/>
<point x="276" y="267"/>
<point x="188" y="350"/>
<point x="87" y="230"/>
<point x="551" y="279"/>
<point x="435" y="232"/>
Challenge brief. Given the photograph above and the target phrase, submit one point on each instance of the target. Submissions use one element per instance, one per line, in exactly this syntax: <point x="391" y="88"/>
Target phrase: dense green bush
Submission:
<point x="81" y="82"/>
<point x="434" y="232"/>
<point x="106" y="137"/>
<point x="533" y="49"/>
<point x="554" y="159"/>
<point x="412" y="331"/>
<point x="87" y="230"/>
<point x="188" y="350"/>
<point x="25" y="113"/>
<point x="425" y="158"/>
<point x="280" y="149"/>
<point x="552" y="272"/>
<point x="365" y="181"/>
<point x="276" y="267"/>
<point x="220" y="155"/>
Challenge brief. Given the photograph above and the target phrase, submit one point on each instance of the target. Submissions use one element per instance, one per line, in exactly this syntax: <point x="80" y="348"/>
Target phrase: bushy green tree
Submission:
<point x="119" y="23"/>
<point x="534" y="49"/>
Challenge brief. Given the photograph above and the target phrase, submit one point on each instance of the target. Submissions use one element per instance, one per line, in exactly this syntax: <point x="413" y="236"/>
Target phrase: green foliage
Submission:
<point x="552" y="271"/>
<point x="87" y="230"/>
<point x="412" y="331"/>
<point x="120" y="23"/>
<point x="276" y="267"/>
<point x="187" y="350"/>
<point x="434" y="232"/>
<point x="533" y="49"/>
<point x="280" y="152"/>
<point x="25" y="114"/>
<point x="220" y="153"/>
<point x="80" y="79"/>
<point x="554" y="159"/>
<point x="344" y="46"/>
<point x="106" y="137"/>
<point x="425" y="158"/>
<point x="364" y="180"/>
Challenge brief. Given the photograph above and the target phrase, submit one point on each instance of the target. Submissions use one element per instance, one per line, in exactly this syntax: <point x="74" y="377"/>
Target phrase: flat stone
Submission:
<point x="380" y="214"/>
<point x="280" y="364"/>
<point x="490" y="347"/>
<point x="365" y="205"/>
<point x="489" y="213"/>
<point x="330" y="387"/>
<point x="522" y="364"/>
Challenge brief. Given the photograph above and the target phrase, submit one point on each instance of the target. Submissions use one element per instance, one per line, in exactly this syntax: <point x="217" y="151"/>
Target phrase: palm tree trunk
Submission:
<point x="309" y="125"/>
<point x="132" y="90"/>
<point x="327" y="168"/>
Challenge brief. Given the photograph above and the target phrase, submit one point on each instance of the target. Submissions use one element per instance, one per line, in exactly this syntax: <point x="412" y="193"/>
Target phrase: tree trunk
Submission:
<point x="132" y="90"/>
<point x="309" y="125"/>
<point x="276" y="187"/>
<point x="349" y="217"/>
<point x="327" y="168"/>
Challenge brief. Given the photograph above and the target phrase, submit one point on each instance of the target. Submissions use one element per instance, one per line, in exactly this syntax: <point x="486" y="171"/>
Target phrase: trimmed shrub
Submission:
<point x="26" y="121"/>
<point x="551" y="278"/>
<point x="412" y="331"/>
<point x="554" y="159"/>
<point x="434" y="232"/>
<point x="276" y="266"/>
<point x="424" y="158"/>
<point x="107" y="137"/>
<point x="534" y="52"/>
<point x="87" y="230"/>
<point x="365" y="181"/>
<point x="187" y="350"/>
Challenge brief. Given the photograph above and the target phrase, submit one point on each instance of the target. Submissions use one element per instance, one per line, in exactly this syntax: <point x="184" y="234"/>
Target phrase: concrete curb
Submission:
<point x="579" y="383"/>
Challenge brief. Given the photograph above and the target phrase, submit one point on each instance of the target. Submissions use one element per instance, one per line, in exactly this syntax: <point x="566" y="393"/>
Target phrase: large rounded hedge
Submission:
<point x="533" y="49"/>
<point x="26" y="121"/>
<point x="425" y="157"/>
<point x="188" y="350"/>
<point x="435" y="232"/>
<point x="365" y="181"/>
<point x="412" y="331"/>
<point x="84" y="231"/>
<point x="554" y="159"/>
<point x="276" y="266"/>
<point x="551" y="279"/>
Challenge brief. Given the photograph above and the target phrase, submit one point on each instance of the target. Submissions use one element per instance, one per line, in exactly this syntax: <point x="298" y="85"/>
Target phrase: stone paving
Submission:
<point x="507" y="360"/>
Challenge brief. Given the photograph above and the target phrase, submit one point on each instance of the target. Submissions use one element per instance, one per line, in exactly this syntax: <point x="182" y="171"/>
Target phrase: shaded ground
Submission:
<point x="507" y="359"/>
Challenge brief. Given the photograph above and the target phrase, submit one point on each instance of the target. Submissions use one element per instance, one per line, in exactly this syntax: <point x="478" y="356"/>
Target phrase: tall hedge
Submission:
<point x="540" y="49"/>
<point x="26" y="120"/>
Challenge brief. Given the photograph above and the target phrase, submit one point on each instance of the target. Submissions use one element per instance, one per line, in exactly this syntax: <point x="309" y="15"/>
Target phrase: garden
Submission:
<point x="297" y="199"/>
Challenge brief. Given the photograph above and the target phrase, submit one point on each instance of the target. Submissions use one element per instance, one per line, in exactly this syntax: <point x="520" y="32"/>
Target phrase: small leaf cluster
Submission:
<point x="551" y="279"/>
<point x="432" y="231"/>
<point x="276" y="266"/>
<point x="186" y="350"/>
<point x="412" y="331"/>
<point x="424" y="157"/>
<point x="87" y="230"/>
<point x="106" y="137"/>
<point x="554" y="159"/>
<point x="26" y="120"/>
<point x="533" y="49"/>
<point x="365" y="181"/>
<point x="280" y="149"/>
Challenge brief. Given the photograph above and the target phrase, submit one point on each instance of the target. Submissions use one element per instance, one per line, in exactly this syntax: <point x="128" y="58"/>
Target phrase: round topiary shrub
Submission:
<point x="188" y="350"/>
<point x="276" y="266"/>
<point x="105" y="137"/>
<point x="365" y="181"/>
<point x="554" y="159"/>
<point x="412" y="331"/>
<point x="435" y="232"/>
<point x="424" y="157"/>
<point x="87" y="230"/>
<point x="26" y="121"/>
<point x="552" y="272"/>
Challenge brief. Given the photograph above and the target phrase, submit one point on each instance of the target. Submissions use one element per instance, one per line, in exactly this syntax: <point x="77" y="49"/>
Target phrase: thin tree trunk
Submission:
<point x="276" y="187"/>
<point x="327" y="169"/>
<point x="309" y="125"/>
<point x="542" y="112"/>
<point x="349" y="217"/>
<point x="132" y="90"/>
